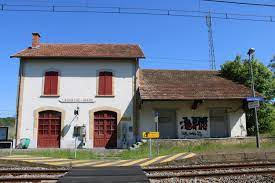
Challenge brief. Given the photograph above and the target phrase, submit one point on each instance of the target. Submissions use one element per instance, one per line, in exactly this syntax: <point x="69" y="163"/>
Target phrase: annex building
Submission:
<point x="100" y="89"/>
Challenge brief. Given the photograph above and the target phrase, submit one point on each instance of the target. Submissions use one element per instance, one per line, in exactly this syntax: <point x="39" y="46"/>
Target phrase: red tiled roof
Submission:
<point x="82" y="51"/>
<point x="188" y="85"/>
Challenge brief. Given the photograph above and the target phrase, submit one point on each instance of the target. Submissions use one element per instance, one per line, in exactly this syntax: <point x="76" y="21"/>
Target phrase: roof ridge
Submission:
<point x="83" y="50"/>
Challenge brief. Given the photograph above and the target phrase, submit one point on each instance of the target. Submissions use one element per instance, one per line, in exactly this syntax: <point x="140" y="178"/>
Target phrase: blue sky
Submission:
<point x="183" y="40"/>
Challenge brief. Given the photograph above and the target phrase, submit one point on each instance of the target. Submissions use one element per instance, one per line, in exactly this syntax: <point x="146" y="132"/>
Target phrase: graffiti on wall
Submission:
<point x="194" y="126"/>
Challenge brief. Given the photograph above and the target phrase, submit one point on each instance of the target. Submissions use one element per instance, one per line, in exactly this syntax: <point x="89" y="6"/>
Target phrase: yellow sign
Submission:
<point x="150" y="135"/>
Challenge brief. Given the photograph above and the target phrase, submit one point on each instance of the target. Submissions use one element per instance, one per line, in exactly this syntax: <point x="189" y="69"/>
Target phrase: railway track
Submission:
<point x="210" y="170"/>
<point x="31" y="175"/>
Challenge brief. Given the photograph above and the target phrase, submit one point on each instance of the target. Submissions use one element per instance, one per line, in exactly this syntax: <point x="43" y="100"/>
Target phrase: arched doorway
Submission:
<point x="49" y="129"/>
<point x="105" y="129"/>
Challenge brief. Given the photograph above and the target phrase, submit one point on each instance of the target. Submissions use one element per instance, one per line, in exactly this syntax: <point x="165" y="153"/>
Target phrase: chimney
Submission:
<point x="35" y="39"/>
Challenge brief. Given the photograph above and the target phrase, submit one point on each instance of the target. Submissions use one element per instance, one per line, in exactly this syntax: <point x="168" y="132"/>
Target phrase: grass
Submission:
<point x="272" y="132"/>
<point x="143" y="152"/>
<point x="207" y="147"/>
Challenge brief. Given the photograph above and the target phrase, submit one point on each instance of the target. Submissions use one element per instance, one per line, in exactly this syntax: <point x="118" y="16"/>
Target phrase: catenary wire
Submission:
<point x="240" y="3"/>
<point x="136" y="11"/>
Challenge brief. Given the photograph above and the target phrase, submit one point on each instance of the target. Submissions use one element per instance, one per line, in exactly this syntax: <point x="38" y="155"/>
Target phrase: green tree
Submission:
<point x="238" y="70"/>
<point x="8" y="121"/>
<point x="272" y="65"/>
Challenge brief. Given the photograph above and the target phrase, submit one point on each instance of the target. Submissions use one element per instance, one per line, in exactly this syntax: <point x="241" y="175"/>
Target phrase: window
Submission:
<point x="105" y="84"/>
<point x="51" y="83"/>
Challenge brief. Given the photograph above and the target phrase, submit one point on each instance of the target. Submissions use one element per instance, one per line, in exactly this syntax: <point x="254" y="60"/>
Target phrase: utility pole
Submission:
<point x="250" y="52"/>
<point x="212" y="61"/>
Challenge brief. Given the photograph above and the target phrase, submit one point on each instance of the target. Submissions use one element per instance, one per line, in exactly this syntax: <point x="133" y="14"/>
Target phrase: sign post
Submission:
<point x="150" y="148"/>
<point x="75" y="147"/>
<point x="250" y="52"/>
<point x="150" y="136"/>
<point x="157" y="129"/>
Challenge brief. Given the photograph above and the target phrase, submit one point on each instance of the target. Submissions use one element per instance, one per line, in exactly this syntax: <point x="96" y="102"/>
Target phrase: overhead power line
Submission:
<point x="241" y="3"/>
<point x="135" y="11"/>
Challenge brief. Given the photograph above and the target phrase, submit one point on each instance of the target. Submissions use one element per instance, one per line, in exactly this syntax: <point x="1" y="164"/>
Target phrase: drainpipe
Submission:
<point x="18" y="99"/>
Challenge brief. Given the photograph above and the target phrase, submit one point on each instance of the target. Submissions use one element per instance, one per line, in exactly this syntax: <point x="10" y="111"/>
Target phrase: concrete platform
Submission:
<point x="105" y="174"/>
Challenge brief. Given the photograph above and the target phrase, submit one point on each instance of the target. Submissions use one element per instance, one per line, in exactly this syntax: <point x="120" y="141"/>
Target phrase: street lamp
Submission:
<point x="250" y="52"/>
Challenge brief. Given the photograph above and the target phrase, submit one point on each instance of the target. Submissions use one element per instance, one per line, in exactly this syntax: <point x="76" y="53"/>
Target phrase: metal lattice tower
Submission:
<point x="212" y="60"/>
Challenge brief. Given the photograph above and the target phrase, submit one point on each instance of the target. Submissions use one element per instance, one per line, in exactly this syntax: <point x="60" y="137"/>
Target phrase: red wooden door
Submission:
<point x="49" y="129"/>
<point x="105" y="129"/>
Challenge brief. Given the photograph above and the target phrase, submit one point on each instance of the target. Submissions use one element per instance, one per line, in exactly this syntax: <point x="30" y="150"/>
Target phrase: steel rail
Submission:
<point x="33" y="175"/>
<point x="212" y="174"/>
<point x="31" y="171"/>
<point x="208" y="167"/>
<point x="27" y="179"/>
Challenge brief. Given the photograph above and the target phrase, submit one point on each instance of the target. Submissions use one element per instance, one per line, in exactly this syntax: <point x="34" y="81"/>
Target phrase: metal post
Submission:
<point x="255" y="109"/>
<point x="157" y="142"/>
<point x="150" y="148"/>
<point x="11" y="144"/>
<point x="157" y="130"/>
<point x="75" y="148"/>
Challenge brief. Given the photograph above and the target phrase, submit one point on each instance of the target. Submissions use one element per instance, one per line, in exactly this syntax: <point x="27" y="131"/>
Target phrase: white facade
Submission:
<point x="234" y="119"/>
<point x="77" y="81"/>
<point x="78" y="86"/>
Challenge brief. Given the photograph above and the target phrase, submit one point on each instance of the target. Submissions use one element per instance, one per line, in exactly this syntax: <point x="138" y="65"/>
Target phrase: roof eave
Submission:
<point x="83" y="57"/>
<point x="188" y="99"/>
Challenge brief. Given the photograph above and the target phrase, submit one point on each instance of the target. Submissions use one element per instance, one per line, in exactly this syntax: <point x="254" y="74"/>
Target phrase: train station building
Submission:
<point x="97" y="96"/>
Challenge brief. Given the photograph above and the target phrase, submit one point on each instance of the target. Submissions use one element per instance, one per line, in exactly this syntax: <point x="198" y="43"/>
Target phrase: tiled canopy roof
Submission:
<point x="188" y="85"/>
<point x="82" y="51"/>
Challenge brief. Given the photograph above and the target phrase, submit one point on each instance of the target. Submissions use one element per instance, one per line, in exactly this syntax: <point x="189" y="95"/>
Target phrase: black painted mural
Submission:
<point x="194" y="126"/>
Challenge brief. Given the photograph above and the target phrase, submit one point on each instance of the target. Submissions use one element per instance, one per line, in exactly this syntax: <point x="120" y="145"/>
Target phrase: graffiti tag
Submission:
<point x="194" y="133"/>
<point x="195" y="123"/>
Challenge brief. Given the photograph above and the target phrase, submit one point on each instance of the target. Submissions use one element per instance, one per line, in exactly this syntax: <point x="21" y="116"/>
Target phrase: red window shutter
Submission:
<point x="54" y="83"/>
<point x="51" y="83"/>
<point x="47" y="84"/>
<point x="101" y="85"/>
<point x="108" y="83"/>
<point x="105" y="83"/>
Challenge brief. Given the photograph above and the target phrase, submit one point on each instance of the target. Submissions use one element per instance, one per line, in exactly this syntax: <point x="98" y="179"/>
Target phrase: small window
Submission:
<point x="51" y="83"/>
<point x="105" y="84"/>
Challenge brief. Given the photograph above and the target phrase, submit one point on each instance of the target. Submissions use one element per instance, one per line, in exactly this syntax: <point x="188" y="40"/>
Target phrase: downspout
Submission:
<point x="18" y="100"/>
<point x="135" y="125"/>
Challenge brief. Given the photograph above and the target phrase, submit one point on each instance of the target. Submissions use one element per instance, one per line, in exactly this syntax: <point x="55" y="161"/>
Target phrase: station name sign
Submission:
<point x="76" y="100"/>
<point x="251" y="99"/>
